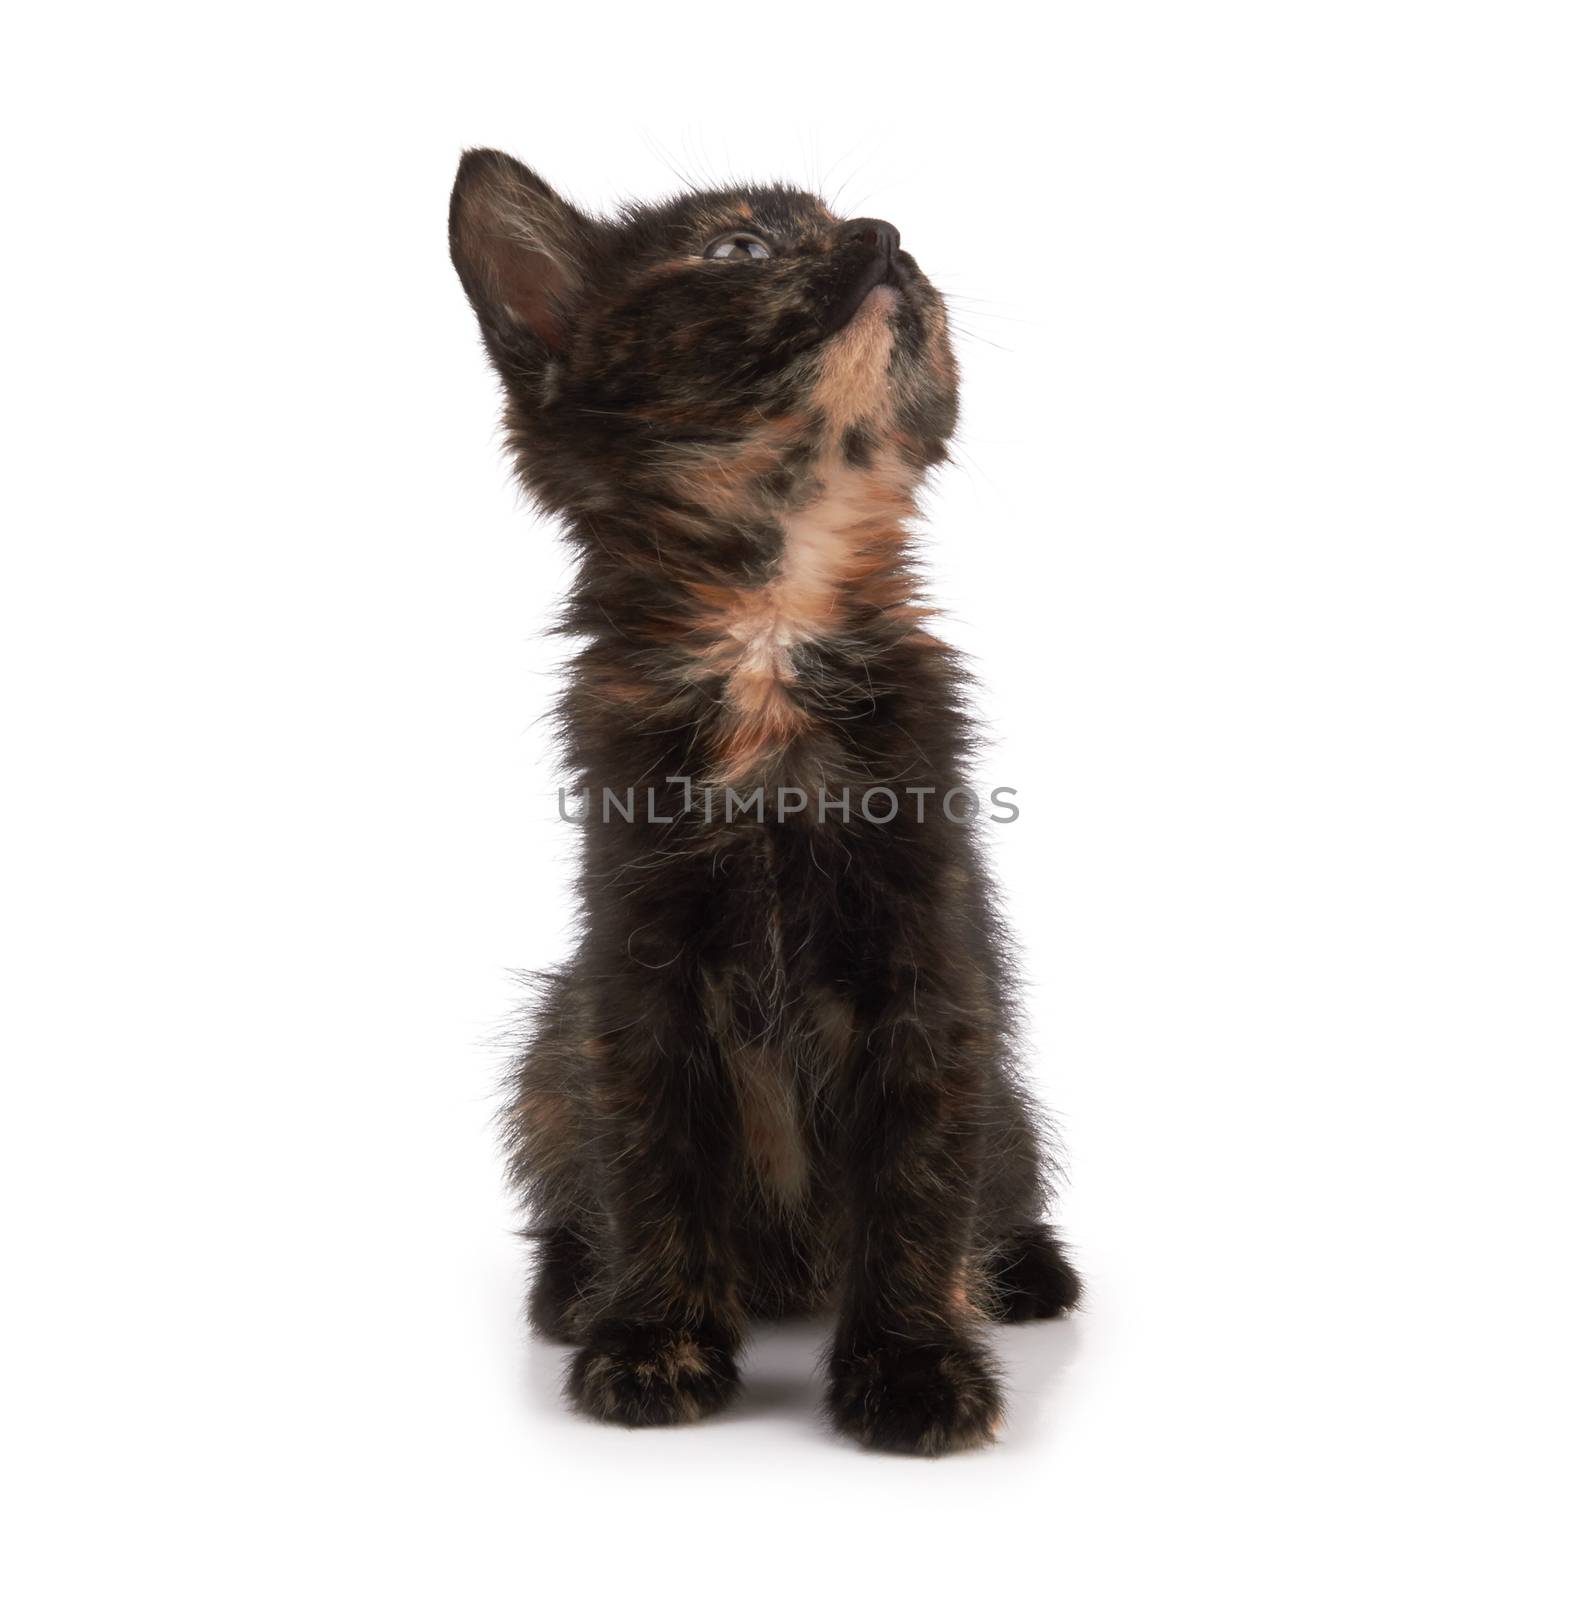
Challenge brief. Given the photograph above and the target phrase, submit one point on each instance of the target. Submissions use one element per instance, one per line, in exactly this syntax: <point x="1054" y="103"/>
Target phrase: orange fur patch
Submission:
<point x="853" y="384"/>
<point x="848" y="537"/>
<point x="771" y="1123"/>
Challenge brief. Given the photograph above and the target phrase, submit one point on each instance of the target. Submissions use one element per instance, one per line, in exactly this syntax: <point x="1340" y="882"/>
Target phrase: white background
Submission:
<point x="1257" y="535"/>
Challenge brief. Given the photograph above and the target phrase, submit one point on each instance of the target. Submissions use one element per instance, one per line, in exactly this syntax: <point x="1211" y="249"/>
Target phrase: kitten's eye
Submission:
<point x="737" y="244"/>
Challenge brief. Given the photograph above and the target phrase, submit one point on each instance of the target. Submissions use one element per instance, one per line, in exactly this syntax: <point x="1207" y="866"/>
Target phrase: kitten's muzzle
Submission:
<point x="876" y="244"/>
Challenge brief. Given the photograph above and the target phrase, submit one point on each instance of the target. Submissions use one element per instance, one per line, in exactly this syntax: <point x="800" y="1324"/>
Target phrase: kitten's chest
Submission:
<point x="786" y="657"/>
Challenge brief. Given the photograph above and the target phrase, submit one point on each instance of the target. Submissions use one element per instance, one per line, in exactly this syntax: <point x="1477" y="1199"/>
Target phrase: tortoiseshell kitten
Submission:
<point x="775" y="1077"/>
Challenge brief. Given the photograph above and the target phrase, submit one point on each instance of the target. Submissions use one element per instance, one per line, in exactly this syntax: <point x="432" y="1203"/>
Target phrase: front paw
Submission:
<point x="645" y="1375"/>
<point x="912" y="1397"/>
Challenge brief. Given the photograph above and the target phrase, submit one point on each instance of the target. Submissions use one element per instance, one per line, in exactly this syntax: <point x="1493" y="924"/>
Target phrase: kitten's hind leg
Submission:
<point x="1031" y="1278"/>
<point x="564" y="1274"/>
<point x="546" y="1128"/>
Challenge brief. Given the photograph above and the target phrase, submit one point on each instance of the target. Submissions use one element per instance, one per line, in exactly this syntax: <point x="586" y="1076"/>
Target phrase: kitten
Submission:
<point x="775" y="1076"/>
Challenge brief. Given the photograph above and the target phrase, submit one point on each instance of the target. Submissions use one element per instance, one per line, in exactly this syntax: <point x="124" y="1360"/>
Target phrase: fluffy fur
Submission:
<point x="775" y="1076"/>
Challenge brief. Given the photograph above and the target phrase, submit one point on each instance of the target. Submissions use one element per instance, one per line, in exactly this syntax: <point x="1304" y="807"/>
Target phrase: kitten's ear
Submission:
<point x="518" y="247"/>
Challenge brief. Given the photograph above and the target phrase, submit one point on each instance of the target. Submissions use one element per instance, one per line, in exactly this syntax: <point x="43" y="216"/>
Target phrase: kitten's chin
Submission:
<point x="878" y="304"/>
<point x="853" y="382"/>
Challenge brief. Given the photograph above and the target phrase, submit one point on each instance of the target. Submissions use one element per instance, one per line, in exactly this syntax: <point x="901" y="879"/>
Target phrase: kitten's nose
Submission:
<point x="873" y="231"/>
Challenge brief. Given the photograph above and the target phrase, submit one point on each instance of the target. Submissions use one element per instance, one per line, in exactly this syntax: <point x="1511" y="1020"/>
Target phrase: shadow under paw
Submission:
<point x="913" y="1398"/>
<point x="648" y="1376"/>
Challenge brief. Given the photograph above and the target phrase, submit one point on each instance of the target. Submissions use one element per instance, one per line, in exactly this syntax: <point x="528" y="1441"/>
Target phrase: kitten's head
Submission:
<point x="727" y="339"/>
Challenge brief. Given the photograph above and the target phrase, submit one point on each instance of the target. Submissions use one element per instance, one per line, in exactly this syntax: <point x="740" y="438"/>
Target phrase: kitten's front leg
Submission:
<point x="663" y="1347"/>
<point x="908" y="1370"/>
